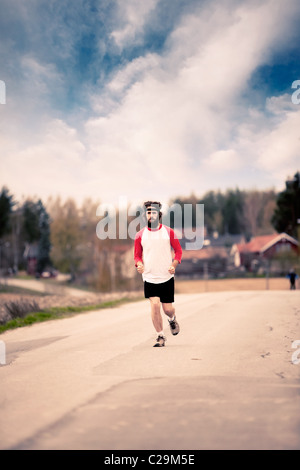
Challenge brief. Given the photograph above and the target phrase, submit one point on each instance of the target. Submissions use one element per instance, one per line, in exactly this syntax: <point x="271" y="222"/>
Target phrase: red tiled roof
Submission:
<point x="261" y="243"/>
<point x="257" y="243"/>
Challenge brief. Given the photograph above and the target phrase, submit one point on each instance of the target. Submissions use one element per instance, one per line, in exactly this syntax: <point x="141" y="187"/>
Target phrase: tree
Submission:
<point x="258" y="210"/>
<point x="66" y="236"/>
<point x="252" y="209"/>
<point x="31" y="227"/>
<point x="213" y="219"/>
<point x="6" y="205"/>
<point x="36" y="229"/>
<point x="44" y="244"/>
<point x="287" y="212"/>
<point x="232" y="211"/>
<point x="268" y="204"/>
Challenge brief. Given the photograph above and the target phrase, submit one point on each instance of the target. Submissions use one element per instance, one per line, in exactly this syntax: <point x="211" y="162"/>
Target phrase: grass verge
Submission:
<point x="54" y="313"/>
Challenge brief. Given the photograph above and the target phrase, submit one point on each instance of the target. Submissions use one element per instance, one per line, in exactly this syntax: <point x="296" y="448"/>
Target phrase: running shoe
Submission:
<point x="174" y="327"/>
<point x="160" y="342"/>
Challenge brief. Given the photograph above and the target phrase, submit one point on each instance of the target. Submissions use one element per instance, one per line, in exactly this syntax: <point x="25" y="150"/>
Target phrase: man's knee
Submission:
<point x="155" y="302"/>
<point x="168" y="309"/>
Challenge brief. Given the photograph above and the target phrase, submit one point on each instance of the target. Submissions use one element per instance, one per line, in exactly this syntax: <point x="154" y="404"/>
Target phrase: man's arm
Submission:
<point x="175" y="244"/>
<point x="138" y="253"/>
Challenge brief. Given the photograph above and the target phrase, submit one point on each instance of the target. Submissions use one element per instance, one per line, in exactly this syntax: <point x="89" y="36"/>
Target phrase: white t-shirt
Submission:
<point x="153" y="247"/>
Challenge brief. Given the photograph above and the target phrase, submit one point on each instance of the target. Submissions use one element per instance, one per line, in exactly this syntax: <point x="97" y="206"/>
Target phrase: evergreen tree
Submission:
<point x="6" y="205"/>
<point x="287" y="212"/>
<point x="31" y="227"/>
<point x="36" y="227"/>
<point x="232" y="211"/>
<point x="44" y="245"/>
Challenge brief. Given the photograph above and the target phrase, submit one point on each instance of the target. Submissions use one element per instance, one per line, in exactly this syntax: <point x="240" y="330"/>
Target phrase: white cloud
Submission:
<point x="133" y="72"/>
<point x="53" y="166"/>
<point x="279" y="105"/>
<point x="182" y="109"/>
<point x="168" y="124"/>
<point x="280" y="149"/>
<point x="223" y="160"/>
<point x="133" y="15"/>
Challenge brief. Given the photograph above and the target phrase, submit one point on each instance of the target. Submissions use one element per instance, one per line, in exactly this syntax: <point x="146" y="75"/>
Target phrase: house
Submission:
<point x="212" y="260"/>
<point x="30" y="256"/>
<point x="209" y="261"/>
<point x="250" y="255"/>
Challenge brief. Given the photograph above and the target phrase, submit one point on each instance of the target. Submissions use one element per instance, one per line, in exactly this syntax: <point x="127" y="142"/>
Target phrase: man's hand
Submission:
<point x="172" y="268"/>
<point x="140" y="268"/>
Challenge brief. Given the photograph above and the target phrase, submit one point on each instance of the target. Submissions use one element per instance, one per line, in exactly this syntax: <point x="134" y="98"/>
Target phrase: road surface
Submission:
<point x="94" y="381"/>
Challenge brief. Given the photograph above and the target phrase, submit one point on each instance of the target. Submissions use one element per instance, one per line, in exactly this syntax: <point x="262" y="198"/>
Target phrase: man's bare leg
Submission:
<point x="156" y="314"/>
<point x="157" y="321"/>
<point x="168" y="309"/>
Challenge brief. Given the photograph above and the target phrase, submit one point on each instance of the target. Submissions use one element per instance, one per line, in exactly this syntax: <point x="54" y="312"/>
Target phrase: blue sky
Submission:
<point x="148" y="99"/>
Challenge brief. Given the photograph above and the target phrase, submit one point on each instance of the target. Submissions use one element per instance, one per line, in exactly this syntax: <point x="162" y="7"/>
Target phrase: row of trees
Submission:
<point x="20" y="226"/>
<point x="253" y="212"/>
<point x="236" y="212"/>
<point x="65" y="234"/>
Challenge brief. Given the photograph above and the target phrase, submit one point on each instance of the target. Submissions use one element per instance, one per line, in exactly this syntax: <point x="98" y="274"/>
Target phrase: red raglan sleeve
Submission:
<point x="175" y="244"/>
<point x="138" y="249"/>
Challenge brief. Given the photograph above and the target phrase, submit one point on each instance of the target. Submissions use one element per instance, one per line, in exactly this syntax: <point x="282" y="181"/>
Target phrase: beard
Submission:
<point x="153" y="223"/>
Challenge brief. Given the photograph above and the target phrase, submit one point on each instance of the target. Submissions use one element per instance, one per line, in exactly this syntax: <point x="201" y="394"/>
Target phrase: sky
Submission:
<point x="148" y="99"/>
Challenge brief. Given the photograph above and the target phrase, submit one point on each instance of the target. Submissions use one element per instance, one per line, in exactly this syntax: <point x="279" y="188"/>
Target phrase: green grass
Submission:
<point x="54" y="313"/>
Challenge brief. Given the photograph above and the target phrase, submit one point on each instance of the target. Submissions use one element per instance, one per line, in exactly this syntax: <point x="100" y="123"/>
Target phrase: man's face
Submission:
<point x="152" y="217"/>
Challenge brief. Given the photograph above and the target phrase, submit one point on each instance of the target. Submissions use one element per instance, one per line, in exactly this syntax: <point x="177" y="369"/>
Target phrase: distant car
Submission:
<point x="47" y="274"/>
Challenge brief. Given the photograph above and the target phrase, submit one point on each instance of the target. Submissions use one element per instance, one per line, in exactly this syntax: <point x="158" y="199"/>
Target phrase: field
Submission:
<point x="218" y="285"/>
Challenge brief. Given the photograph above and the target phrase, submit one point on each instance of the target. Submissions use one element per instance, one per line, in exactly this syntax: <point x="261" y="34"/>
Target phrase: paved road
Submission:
<point x="94" y="381"/>
<point x="43" y="286"/>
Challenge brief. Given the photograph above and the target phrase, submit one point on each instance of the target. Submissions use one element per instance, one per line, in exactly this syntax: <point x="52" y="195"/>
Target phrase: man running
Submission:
<point x="292" y="276"/>
<point x="153" y="259"/>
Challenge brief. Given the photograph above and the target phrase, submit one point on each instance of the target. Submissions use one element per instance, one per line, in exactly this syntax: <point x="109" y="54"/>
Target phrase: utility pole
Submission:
<point x="205" y="276"/>
<point x="267" y="274"/>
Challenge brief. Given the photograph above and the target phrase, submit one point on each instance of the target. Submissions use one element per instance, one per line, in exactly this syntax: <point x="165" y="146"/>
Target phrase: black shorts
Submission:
<point x="164" y="290"/>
